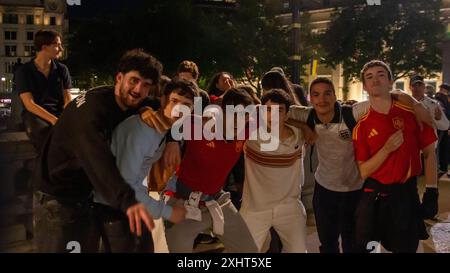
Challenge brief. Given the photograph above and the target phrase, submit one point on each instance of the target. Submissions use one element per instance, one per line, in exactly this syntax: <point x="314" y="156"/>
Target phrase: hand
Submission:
<point x="437" y="113"/>
<point x="229" y="84"/>
<point x="155" y="120"/>
<point x="394" y="142"/>
<point x="422" y="115"/>
<point x="172" y="154"/>
<point x="309" y="135"/>
<point x="429" y="204"/>
<point x="136" y="214"/>
<point x="178" y="214"/>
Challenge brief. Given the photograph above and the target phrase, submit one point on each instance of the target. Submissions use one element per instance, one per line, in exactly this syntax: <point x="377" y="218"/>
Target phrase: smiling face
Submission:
<point x="131" y="89"/>
<point x="323" y="98"/>
<point x="376" y="81"/>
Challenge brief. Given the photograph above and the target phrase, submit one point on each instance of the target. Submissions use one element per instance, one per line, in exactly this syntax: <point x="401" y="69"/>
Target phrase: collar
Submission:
<point x="52" y="65"/>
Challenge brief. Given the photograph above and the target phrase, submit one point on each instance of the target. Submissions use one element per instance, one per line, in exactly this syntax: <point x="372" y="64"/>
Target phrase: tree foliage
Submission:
<point x="406" y="34"/>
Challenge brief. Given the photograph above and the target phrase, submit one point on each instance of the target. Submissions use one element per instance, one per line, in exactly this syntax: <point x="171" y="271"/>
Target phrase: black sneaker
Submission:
<point x="205" y="239"/>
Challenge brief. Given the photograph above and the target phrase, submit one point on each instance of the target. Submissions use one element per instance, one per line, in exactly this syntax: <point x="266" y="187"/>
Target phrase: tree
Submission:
<point x="406" y="34"/>
<point x="246" y="41"/>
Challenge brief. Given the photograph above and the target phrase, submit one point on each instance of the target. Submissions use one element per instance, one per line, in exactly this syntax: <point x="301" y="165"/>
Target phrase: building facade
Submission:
<point x="19" y="20"/>
<point x="320" y="12"/>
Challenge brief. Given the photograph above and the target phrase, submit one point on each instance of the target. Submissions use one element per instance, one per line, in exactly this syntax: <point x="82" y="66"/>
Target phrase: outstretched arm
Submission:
<point x="421" y="113"/>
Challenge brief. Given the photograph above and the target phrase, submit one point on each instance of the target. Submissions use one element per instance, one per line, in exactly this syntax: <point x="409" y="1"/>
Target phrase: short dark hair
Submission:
<point x="182" y="87"/>
<point x="252" y="92"/>
<point x="322" y="80"/>
<point x="45" y="37"/>
<point x="147" y="65"/>
<point x="275" y="80"/>
<point x="375" y="63"/>
<point x="236" y="96"/>
<point x="279" y="96"/>
<point x="190" y="67"/>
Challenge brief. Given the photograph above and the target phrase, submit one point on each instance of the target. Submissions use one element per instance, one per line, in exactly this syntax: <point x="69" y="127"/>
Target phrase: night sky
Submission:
<point x="91" y="8"/>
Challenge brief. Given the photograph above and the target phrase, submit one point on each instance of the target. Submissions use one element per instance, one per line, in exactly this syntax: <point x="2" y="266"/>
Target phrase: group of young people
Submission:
<point x="95" y="173"/>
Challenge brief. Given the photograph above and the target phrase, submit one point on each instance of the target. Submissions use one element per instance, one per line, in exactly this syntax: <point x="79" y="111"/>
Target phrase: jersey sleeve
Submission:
<point x="360" y="109"/>
<point x="427" y="136"/>
<point x="299" y="113"/>
<point x="360" y="145"/>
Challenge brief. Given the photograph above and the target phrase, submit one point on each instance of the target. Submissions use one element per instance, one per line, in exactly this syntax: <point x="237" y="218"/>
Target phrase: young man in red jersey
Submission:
<point x="198" y="184"/>
<point x="388" y="142"/>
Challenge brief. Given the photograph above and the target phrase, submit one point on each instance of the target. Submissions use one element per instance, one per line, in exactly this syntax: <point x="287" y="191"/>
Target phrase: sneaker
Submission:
<point x="205" y="239"/>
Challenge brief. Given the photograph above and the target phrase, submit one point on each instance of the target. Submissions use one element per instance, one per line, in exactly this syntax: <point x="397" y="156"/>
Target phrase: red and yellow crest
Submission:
<point x="398" y="123"/>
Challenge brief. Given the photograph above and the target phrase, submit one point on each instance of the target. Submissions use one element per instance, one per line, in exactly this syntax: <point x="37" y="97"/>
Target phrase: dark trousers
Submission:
<point x="443" y="150"/>
<point x="389" y="214"/>
<point x="115" y="232"/>
<point x="335" y="212"/>
<point x="62" y="227"/>
<point x="36" y="128"/>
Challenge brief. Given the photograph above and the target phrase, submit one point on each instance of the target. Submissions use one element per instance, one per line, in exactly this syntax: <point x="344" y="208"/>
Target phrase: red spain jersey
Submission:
<point x="206" y="164"/>
<point x="373" y="130"/>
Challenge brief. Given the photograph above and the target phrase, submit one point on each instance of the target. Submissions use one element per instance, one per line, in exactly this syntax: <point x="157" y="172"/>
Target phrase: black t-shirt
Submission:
<point x="47" y="92"/>
<point x="77" y="157"/>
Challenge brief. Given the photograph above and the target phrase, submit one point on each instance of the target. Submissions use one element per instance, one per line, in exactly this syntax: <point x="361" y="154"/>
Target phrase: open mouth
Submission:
<point x="134" y="95"/>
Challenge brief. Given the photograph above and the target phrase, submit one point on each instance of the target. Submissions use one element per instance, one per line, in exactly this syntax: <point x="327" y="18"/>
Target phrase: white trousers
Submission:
<point x="158" y="233"/>
<point x="289" y="221"/>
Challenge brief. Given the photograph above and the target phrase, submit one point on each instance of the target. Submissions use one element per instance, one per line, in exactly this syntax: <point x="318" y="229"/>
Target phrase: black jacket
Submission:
<point x="76" y="157"/>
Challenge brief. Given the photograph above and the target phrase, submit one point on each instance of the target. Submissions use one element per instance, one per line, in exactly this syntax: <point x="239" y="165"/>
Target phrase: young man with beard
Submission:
<point x="76" y="159"/>
<point x="387" y="143"/>
<point x="136" y="146"/>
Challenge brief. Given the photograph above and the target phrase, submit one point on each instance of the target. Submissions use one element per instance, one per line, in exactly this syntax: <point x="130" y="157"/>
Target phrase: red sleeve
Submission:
<point x="427" y="136"/>
<point x="362" y="151"/>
